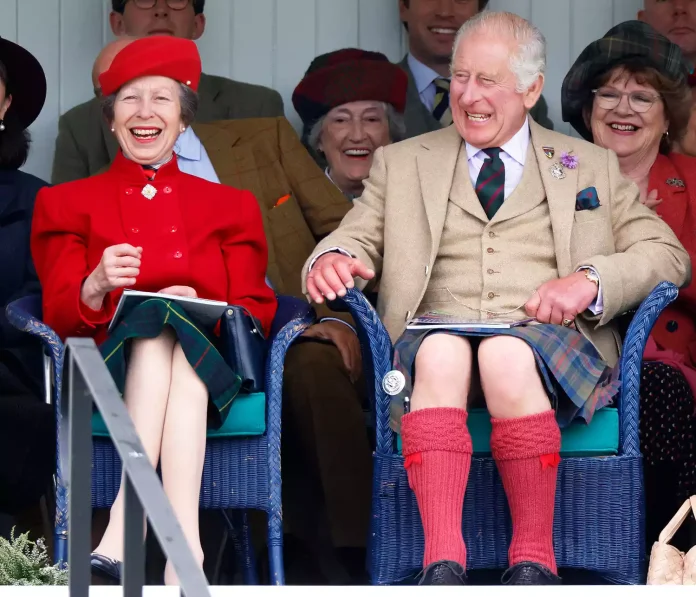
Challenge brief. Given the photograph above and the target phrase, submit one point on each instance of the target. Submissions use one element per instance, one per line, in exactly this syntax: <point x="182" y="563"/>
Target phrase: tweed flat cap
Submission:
<point x="627" y="42"/>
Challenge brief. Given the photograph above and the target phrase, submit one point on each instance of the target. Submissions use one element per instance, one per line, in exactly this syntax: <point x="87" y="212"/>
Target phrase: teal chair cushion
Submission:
<point x="599" y="438"/>
<point x="247" y="417"/>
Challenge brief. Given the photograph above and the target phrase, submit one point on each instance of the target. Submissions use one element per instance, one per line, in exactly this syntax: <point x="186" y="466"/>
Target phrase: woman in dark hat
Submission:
<point x="628" y="92"/>
<point x="148" y="226"/>
<point x="351" y="102"/>
<point x="26" y="422"/>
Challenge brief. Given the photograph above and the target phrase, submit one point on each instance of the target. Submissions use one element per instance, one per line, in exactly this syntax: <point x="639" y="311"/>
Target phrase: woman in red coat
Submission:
<point x="627" y="92"/>
<point x="145" y="225"/>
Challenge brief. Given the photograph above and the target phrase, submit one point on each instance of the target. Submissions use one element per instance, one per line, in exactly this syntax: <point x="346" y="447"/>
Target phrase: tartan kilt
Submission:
<point x="575" y="376"/>
<point x="148" y="320"/>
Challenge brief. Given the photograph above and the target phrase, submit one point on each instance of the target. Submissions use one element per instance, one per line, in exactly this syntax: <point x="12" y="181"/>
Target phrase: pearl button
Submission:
<point x="167" y="190"/>
<point x="174" y="229"/>
<point x="178" y="255"/>
<point x="129" y="191"/>
<point x="426" y="270"/>
<point x="135" y="230"/>
<point x="408" y="315"/>
<point x="490" y="250"/>
<point x="491" y="295"/>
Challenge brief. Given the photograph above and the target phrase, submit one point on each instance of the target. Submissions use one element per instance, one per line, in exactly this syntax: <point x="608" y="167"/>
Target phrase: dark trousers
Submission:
<point x="327" y="462"/>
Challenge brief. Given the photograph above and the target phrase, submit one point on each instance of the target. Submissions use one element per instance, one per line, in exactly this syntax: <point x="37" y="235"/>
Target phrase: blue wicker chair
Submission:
<point x="239" y="473"/>
<point x="599" y="522"/>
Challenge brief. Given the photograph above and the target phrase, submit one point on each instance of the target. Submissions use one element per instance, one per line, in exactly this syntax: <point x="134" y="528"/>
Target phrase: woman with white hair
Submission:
<point x="351" y="103"/>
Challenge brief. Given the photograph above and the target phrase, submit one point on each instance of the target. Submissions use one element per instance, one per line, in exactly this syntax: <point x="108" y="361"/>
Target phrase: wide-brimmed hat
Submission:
<point x="627" y="42"/>
<point x="26" y="82"/>
<point x="157" y="55"/>
<point x="349" y="75"/>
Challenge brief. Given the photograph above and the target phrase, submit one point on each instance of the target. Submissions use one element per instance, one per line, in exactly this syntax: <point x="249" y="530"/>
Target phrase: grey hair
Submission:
<point x="188" y="99"/>
<point x="528" y="63"/>
<point x="395" y="121"/>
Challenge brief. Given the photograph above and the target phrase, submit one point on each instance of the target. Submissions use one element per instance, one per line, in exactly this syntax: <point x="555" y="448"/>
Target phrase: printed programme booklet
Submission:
<point x="435" y="320"/>
<point x="206" y="312"/>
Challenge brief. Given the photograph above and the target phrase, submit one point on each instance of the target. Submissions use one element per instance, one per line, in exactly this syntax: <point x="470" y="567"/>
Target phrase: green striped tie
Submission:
<point x="490" y="184"/>
<point x="441" y="105"/>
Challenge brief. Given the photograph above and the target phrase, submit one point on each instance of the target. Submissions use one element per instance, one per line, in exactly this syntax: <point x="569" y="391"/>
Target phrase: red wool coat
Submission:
<point x="193" y="233"/>
<point x="676" y="328"/>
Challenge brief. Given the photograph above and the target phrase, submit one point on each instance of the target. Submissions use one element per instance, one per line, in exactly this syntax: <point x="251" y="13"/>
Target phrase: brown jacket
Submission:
<point x="266" y="157"/>
<point x="395" y="228"/>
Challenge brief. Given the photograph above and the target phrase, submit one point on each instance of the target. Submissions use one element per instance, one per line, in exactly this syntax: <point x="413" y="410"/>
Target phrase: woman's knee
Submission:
<point x="442" y="372"/>
<point x="510" y="378"/>
<point x="163" y="343"/>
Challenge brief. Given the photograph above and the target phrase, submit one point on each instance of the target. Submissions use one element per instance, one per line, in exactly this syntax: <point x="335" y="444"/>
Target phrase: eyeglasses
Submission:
<point x="639" y="101"/>
<point x="173" y="4"/>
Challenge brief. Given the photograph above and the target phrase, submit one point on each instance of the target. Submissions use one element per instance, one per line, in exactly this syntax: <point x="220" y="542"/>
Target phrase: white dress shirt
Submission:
<point x="513" y="156"/>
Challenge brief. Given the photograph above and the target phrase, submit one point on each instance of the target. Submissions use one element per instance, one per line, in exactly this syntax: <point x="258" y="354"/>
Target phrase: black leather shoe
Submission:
<point x="443" y="572"/>
<point x="530" y="573"/>
<point x="106" y="568"/>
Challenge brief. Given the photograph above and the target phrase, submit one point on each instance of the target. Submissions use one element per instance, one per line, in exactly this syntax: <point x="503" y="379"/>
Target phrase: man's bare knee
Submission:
<point x="442" y="372"/>
<point x="510" y="379"/>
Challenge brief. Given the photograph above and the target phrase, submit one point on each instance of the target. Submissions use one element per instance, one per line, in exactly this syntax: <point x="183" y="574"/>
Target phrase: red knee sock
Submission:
<point x="437" y="448"/>
<point x="526" y="451"/>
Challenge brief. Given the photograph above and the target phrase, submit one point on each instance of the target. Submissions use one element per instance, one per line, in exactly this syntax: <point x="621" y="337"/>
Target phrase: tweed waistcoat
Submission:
<point x="479" y="262"/>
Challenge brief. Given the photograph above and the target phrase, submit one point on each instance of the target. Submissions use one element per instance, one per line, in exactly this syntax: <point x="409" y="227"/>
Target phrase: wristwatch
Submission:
<point x="591" y="275"/>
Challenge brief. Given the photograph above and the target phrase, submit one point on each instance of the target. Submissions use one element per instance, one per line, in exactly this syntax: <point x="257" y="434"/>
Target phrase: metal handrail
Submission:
<point x="88" y="380"/>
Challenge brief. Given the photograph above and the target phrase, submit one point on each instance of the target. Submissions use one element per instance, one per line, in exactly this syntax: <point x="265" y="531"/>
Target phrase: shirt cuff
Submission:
<point x="329" y="250"/>
<point x="597" y="306"/>
<point x="323" y="319"/>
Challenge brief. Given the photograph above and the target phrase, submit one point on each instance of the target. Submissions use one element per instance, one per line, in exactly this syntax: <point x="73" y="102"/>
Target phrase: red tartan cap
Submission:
<point x="157" y="55"/>
<point x="349" y="75"/>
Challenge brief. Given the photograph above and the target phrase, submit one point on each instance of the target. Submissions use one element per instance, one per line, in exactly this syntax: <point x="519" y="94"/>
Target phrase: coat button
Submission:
<point x="491" y="295"/>
<point x="174" y="229"/>
<point x="129" y="191"/>
<point x="490" y="271"/>
<point x="167" y="190"/>
<point x="492" y="234"/>
<point x="490" y="250"/>
<point x="178" y="255"/>
<point x="672" y="326"/>
<point x="408" y="315"/>
<point x="135" y="230"/>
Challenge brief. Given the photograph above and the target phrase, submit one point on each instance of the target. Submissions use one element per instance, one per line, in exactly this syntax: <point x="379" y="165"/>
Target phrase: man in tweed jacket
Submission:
<point x="498" y="216"/>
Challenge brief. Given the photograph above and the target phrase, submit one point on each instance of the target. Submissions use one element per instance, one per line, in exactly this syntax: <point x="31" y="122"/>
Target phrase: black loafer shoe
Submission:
<point x="530" y="573"/>
<point x="106" y="568"/>
<point x="443" y="572"/>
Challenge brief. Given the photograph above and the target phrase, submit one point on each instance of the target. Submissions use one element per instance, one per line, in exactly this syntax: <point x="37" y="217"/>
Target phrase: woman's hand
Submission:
<point x="651" y="200"/>
<point x="119" y="267"/>
<point x="180" y="291"/>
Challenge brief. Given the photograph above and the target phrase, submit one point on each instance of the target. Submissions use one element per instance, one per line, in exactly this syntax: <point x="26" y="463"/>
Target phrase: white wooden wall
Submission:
<point x="270" y="42"/>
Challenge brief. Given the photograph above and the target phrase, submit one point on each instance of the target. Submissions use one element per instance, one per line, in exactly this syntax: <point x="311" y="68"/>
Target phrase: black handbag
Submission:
<point x="244" y="347"/>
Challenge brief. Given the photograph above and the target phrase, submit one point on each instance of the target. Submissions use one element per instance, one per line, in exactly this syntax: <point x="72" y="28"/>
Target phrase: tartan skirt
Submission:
<point x="575" y="376"/>
<point x="148" y="320"/>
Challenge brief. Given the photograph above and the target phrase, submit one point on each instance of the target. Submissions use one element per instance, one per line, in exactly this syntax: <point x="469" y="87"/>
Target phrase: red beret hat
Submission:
<point x="158" y="55"/>
<point x="349" y="75"/>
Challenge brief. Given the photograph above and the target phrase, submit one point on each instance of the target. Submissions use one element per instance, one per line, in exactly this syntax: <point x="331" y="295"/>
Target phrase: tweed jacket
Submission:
<point x="396" y="226"/>
<point x="419" y="120"/>
<point x="85" y="144"/>
<point x="266" y="157"/>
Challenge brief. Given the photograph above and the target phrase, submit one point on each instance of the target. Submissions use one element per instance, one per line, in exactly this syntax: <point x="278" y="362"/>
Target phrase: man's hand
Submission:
<point x="344" y="339"/>
<point x="561" y="299"/>
<point x="332" y="274"/>
<point x="186" y="291"/>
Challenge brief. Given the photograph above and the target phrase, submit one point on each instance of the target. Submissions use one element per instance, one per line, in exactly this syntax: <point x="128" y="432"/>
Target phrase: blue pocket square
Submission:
<point x="587" y="199"/>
